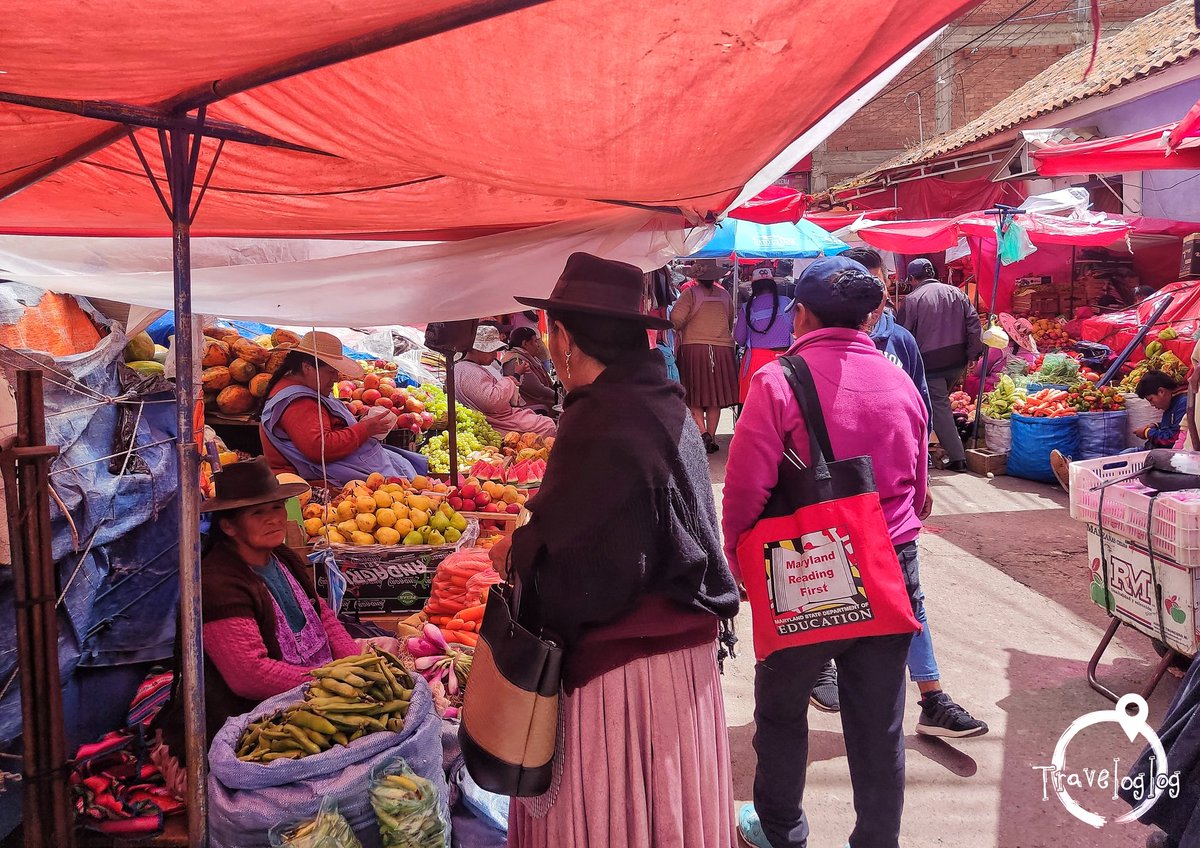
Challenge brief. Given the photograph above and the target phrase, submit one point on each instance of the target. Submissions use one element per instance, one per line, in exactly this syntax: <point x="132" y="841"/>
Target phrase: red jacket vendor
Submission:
<point x="307" y="431"/>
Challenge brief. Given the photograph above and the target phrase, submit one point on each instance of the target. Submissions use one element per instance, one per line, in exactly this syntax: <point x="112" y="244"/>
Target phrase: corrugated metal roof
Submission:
<point x="1155" y="42"/>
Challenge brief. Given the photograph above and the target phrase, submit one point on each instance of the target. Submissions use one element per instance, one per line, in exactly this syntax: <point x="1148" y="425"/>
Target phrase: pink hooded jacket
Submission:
<point x="871" y="408"/>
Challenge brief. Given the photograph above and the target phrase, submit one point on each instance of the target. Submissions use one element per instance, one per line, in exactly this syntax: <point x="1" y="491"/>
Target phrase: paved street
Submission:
<point x="1004" y="569"/>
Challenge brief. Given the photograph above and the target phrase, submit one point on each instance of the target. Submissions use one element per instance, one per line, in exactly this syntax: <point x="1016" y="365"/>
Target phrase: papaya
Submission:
<point x="216" y="352"/>
<point x="249" y="351"/>
<point x="258" y="385"/>
<point x="140" y="348"/>
<point x="242" y="371"/>
<point x="235" y="400"/>
<point x="215" y="378"/>
<point x="275" y="360"/>
<point x="147" y="368"/>
<point x="284" y="338"/>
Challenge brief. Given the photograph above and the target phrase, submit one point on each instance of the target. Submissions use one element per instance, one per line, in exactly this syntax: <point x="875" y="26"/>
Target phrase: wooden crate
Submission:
<point x="984" y="461"/>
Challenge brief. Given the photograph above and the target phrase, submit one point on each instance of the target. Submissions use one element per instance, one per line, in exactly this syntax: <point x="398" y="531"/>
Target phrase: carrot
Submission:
<point x="472" y="613"/>
<point x="455" y="624"/>
<point x="463" y="638"/>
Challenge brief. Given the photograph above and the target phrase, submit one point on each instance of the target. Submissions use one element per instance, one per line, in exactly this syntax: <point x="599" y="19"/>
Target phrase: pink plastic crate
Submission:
<point x="1175" y="532"/>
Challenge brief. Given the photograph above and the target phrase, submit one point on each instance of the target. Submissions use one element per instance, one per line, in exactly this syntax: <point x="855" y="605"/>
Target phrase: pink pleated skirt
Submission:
<point x="645" y="762"/>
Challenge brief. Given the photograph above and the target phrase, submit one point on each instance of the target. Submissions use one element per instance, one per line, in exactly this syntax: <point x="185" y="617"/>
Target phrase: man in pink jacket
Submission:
<point x="871" y="408"/>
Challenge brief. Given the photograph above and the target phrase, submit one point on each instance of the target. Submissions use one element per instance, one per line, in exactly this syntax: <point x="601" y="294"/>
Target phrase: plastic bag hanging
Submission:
<point x="1014" y="243"/>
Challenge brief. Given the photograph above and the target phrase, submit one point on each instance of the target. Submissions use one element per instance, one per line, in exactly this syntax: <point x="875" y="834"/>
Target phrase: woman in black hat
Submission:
<point x="621" y="561"/>
<point x="265" y="627"/>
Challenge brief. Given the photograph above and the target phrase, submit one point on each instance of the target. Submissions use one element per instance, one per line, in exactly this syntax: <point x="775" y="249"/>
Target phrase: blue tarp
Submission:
<point x="120" y="584"/>
<point x="749" y="240"/>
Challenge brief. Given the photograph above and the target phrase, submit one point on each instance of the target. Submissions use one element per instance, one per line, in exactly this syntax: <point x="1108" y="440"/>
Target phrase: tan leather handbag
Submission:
<point x="510" y="714"/>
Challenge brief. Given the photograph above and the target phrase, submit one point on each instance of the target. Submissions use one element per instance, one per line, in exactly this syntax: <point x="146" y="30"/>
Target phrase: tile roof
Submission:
<point x="1155" y="42"/>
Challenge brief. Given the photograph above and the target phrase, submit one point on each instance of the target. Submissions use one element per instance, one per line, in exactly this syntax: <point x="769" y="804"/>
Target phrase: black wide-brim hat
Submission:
<point x="242" y="484"/>
<point x="595" y="286"/>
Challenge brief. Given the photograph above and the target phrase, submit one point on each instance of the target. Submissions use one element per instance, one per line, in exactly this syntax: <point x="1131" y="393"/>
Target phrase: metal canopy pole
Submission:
<point x="181" y="153"/>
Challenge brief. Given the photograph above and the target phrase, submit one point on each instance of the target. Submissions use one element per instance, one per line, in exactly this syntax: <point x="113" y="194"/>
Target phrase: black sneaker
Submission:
<point x="957" y="465"/>
<point x="825" y="692"/>
<point x="940" y="716"/>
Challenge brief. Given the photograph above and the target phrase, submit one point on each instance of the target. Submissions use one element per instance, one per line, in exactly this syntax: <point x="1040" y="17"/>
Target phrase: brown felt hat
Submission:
<point x="595" y="286"/>
<point x="241" y="484"/>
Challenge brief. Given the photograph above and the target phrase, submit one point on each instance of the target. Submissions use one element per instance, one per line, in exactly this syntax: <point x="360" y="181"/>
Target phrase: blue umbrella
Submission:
<point x="748" y="240"/>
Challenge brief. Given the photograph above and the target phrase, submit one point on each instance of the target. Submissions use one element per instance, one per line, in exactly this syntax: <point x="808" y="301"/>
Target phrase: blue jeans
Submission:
<point x="922" y="664"/>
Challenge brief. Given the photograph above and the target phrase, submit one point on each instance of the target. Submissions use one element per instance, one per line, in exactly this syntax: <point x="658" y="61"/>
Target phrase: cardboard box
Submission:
<point x="382" y="589"/>
<point x="1152" y="595"/>
<point x="1189" y="265"/>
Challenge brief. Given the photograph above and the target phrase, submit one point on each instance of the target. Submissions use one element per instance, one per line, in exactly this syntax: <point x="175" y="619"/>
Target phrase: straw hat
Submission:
<point x="243" y="484"/>
<point x="328" y="348"/>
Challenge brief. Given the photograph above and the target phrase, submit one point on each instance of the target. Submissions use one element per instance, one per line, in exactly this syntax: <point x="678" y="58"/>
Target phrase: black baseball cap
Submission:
<point x="921" y="269"/>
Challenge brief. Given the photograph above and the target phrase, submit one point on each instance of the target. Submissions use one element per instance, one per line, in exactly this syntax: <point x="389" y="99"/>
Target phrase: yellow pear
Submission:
<point x="404" y="526"/>
<point x="387" y="536"/>
<point x="393" y="489"/>
<point x="385" y="517"/>
<point x="362" y="539"/>
<point x="345" y="510"/>
<point x="452" y="536"/>
<point x="458" y="522"/>
<point x="346" y="528"/>
<point x="420" y="502"/>
<point x="439" y="522"/>
<point x="366" y="522"/>
<point x="365" y="504"/>
<point x="335" y="537"/>
<point x="436" y="538"/>
<point x="314" y="526"/>
<point x="419" y="518"/>
<point x="400" y="509"/>
<point x="414" y="538"/>
<point x="382" y="500"/>
<point x="446" y="510"/>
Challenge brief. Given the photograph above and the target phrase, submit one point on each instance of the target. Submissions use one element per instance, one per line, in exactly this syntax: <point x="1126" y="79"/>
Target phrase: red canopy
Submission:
<point x="913" y="237"/>
<point x="833" y="221"/>
<point x="1117" y="329"/>
<point x="773" y="205"/>
<point x="442" y="118"/>
<point x="1169" y="147"/>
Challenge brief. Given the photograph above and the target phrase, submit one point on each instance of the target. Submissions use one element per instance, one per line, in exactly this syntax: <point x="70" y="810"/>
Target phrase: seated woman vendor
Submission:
<point x="304" y="427"/>
<point x="264" y="625"/>
<point x="497" y="397"/>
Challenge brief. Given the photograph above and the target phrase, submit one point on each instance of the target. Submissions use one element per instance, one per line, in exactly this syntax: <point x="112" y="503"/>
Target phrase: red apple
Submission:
<point x="389" y="382"/>
<point x="513" y="508"/>
<point x="396" y="480"/>
<point x="469" y="505"/>
<point x="370" y="396"/>
<point x="470" y="490"/>
<point x="427" y="418"/>
<point x="346" y="388"/>
<point x="455" y="503"/>
<point x="482" y="498"/>
<point x="379" y="363"/>
<point x="492" y="507"/>
<point x="416" y="428"/>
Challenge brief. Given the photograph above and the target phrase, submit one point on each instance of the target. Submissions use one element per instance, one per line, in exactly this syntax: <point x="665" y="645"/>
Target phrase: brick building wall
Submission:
<point x="980" y="59"/>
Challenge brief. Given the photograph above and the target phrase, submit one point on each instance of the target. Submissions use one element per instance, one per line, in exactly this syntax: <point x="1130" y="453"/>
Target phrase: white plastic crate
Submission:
<point x="1175" y="531"/>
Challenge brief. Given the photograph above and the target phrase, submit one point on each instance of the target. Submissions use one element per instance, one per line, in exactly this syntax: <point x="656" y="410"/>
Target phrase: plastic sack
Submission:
<point x="1015" y="244"/>
<point x="412" y="812"/>
<point x="448" y="593"/>
<point x="478" y="584"/>
<point x="247" y="799"/>
<point x="488" y="807"/>
<point x="997" y="432"/>
<point x="328" y="830"/>
<point x="1101" y="434"/>
<point x="1032" y="441"/>
<point x="1139" y="415"/>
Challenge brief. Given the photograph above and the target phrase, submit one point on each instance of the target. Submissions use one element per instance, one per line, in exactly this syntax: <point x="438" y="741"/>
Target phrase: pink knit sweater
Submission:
<point x="871" y="408"/>
<point x="236" y="648"/>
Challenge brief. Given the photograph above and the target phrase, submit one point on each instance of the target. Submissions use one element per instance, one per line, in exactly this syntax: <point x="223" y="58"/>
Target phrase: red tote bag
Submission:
<point x="819" y="564"/>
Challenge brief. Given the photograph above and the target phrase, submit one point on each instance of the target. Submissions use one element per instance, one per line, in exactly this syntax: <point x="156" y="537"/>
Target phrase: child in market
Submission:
<point x="1166" y="394"/>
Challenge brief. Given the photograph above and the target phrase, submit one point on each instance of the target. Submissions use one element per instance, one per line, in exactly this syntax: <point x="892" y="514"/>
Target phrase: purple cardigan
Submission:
<point x="777" y="337"/>
<point x="871" y="408"/>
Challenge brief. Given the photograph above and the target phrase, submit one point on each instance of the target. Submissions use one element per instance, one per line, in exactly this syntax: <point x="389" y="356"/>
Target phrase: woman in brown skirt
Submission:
<point x="704" y="316"/>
